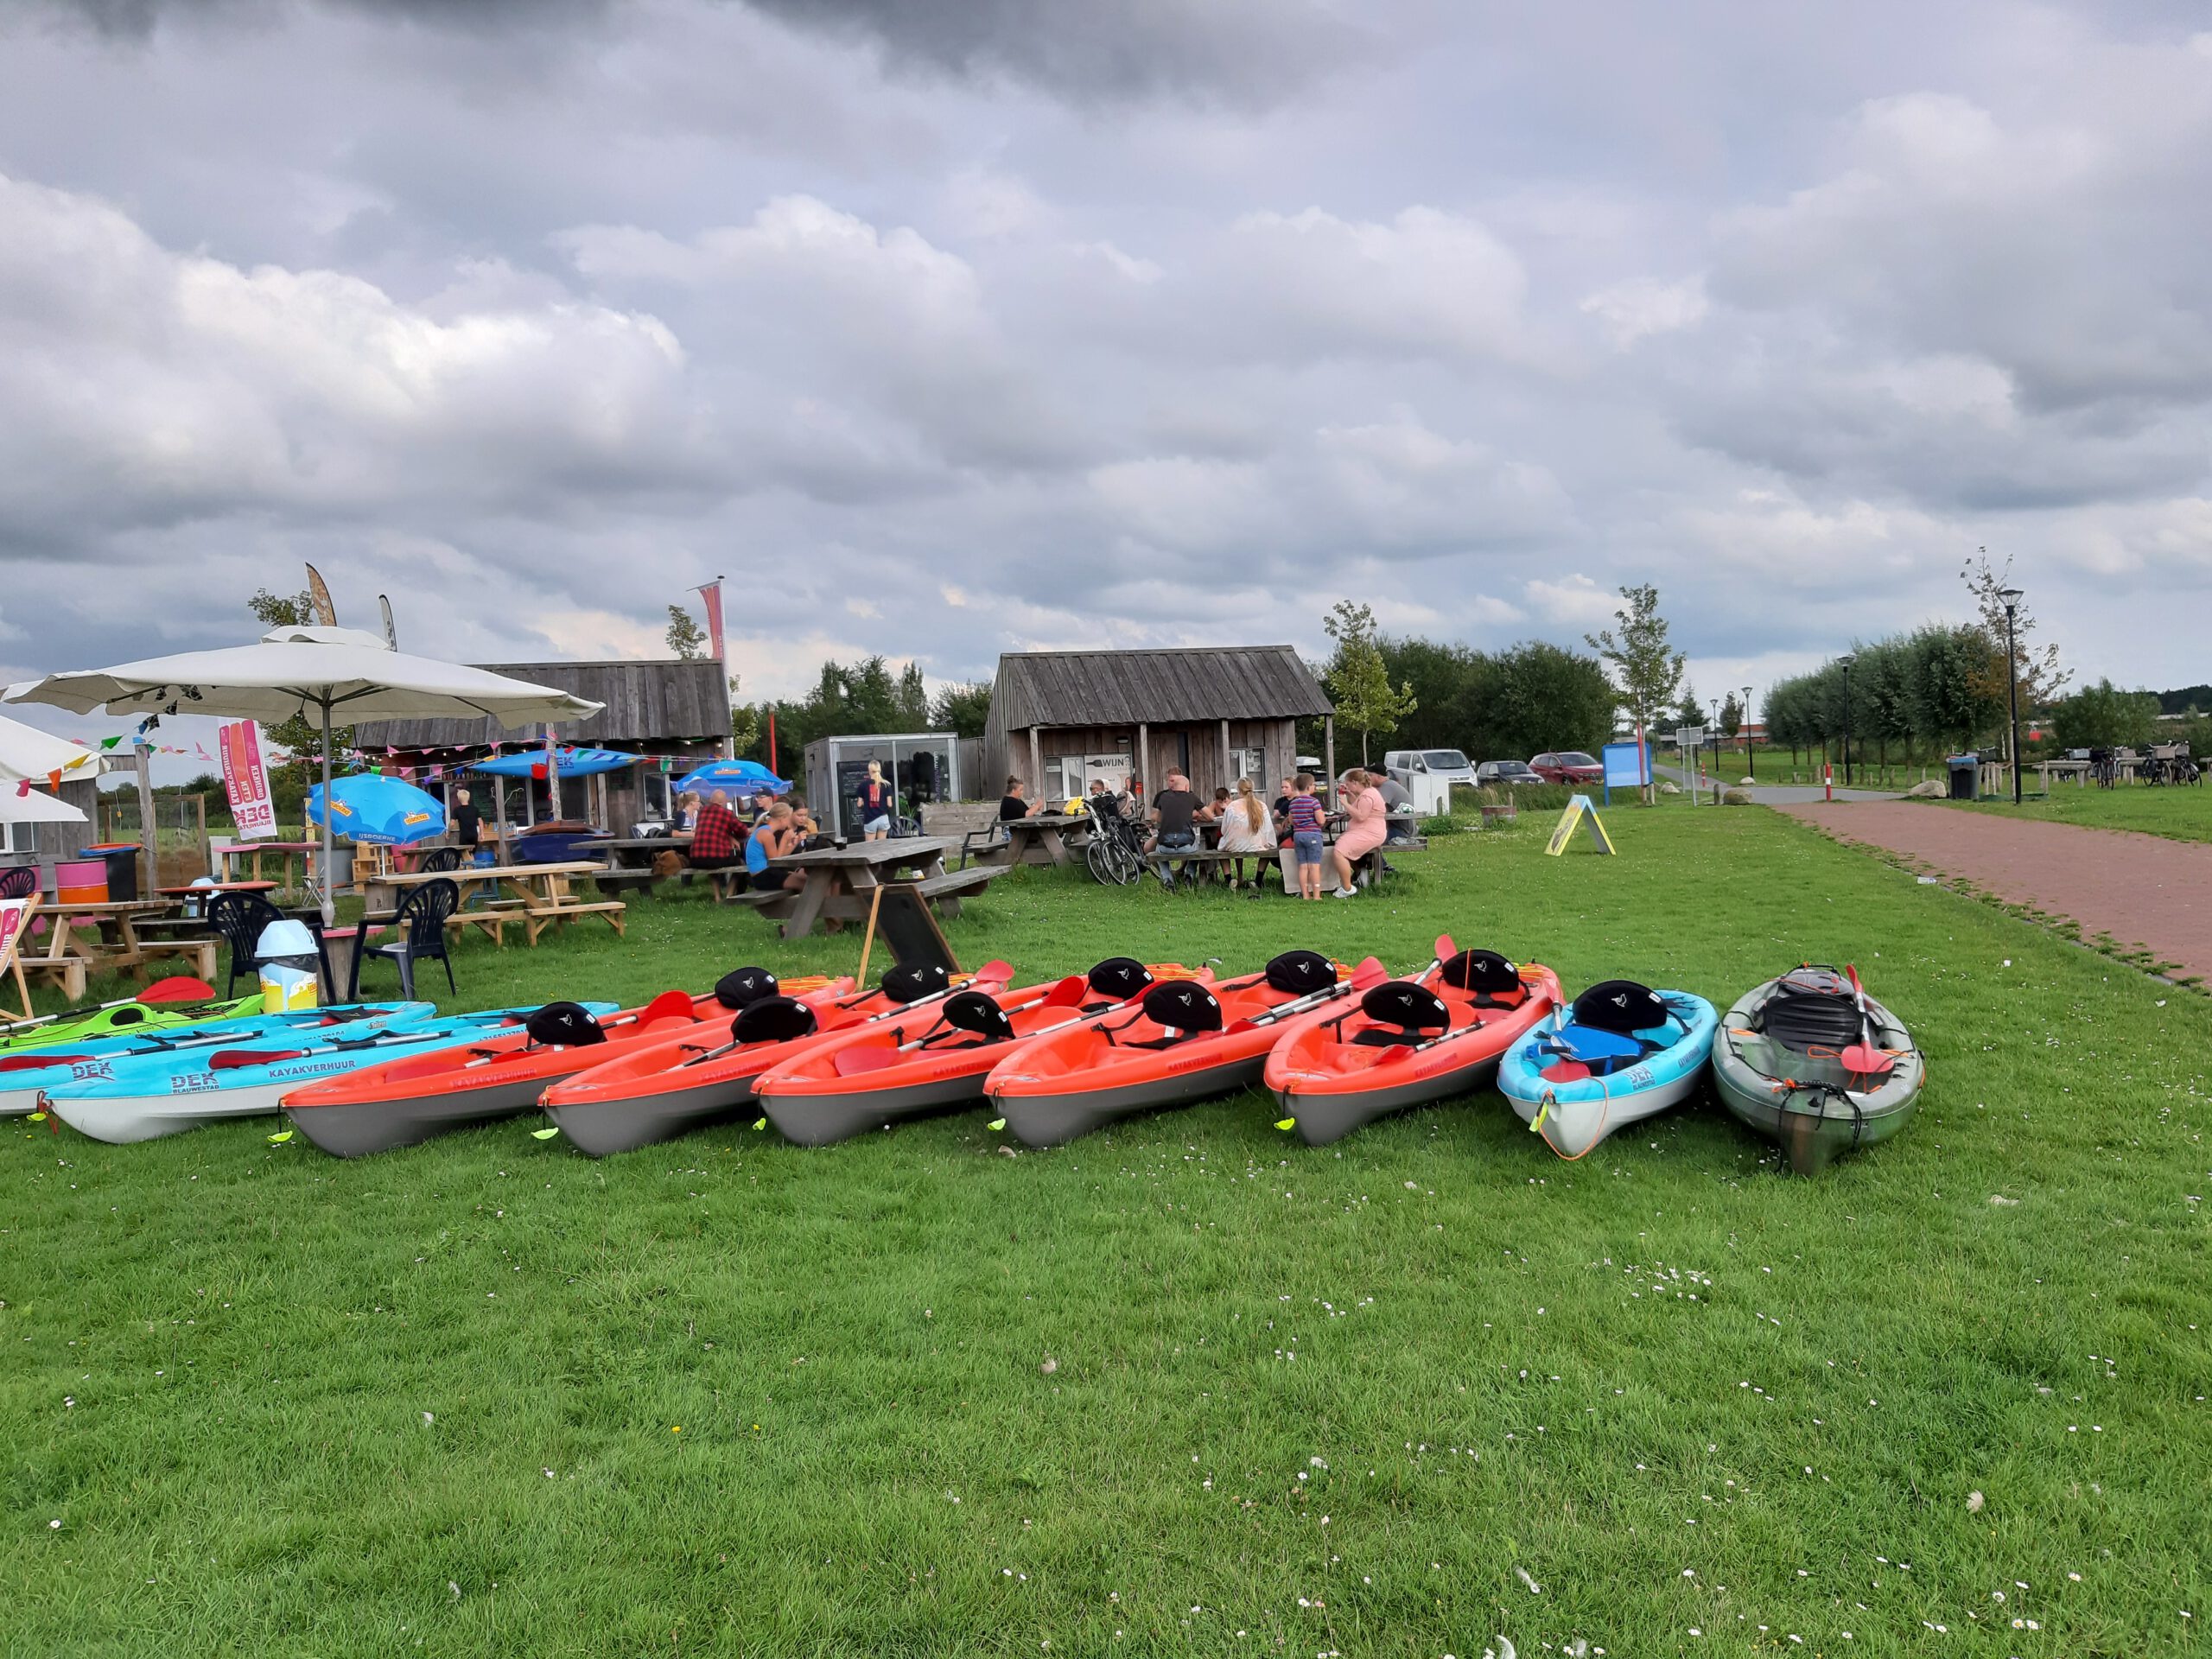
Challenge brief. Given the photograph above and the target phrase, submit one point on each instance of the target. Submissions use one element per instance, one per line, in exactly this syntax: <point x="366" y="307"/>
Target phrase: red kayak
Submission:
<point x="1409" y="1043"/>
<point x="1181" y="1044"/>
<point x="662" y="1089"/>
<point x="869" y="1079"/>
<point x="408" y="1100"/>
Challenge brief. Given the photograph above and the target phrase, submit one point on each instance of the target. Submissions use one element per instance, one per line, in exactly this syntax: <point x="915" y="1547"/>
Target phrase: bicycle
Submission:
<point x="1113" y="854"/>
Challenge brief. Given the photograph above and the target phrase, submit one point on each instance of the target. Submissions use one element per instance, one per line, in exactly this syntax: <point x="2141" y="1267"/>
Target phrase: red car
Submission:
<point x="1567" y="766"/>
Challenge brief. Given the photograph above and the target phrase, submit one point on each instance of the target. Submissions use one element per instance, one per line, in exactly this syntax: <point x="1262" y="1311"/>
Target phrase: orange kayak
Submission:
<point x="1172" y="1049"/>
<point x="661" y="1089"/>
<point x="1410" y="1042"/>
<point x="410" y="1099"/>
<point x="870" y="1078"/>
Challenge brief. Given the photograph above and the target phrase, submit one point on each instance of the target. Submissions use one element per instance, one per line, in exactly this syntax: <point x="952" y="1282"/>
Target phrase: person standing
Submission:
<point x="1366" y="821"/>
<point x="468" y="827"/>
<point x="1303" y="813"/>
<point x="873" y="803"/>
<point x="1174" y="811"/>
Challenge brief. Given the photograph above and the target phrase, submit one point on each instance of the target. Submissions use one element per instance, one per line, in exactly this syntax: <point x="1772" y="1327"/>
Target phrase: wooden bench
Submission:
<point x="536" y="919"/>
<point x="200" y="951"/>
<point x="1207" y="862"/>
<point x="943" y="891"/>
<point x="625" y="881"/>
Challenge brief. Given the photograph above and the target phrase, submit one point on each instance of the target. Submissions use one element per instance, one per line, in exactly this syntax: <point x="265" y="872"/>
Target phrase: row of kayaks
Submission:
<point x="1806" y="1059"/>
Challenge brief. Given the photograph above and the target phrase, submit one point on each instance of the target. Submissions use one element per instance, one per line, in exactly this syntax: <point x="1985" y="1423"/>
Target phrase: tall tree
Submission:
<point x="1358" y="679"/>
<point x="962" y="709"/>
<point x="2041" y="678"/>
<point x="1689" y="711"/>
<point x="1732" y="715"/>
<point x="1539" y="695"/>
<point x="1647" y="671"/>
<point x="2104" y="717"/>
<point x="686" y="639"/>
<point x="300" y="736"/>
<point x="912" y="698"/>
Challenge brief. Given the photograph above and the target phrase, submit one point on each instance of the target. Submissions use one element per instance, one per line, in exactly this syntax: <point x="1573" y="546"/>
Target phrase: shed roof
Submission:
<point x="1112" y="687"/>
<point x="647" y="701"/>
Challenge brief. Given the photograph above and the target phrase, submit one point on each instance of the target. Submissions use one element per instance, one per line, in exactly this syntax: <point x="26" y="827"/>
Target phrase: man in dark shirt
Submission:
<point x="1011" y="805"/>
<point x="1172" y="810"/>
<point x="467" y="822"/>
<point x="715" y="837"/>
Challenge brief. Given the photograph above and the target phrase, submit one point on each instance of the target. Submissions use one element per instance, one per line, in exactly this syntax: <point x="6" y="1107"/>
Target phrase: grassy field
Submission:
<point x="1188" y="1387"/>
<point x="2179" y="814"/>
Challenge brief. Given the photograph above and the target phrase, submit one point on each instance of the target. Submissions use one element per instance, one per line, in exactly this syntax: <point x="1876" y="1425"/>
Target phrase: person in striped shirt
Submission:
<point x="1305" y="836"/>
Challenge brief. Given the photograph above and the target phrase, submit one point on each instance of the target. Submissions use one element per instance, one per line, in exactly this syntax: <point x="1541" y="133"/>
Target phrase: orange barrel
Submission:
<point x="81" y="881"/>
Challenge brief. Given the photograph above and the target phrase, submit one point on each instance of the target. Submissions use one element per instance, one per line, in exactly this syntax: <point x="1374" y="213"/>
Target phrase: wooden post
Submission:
<point x="1329" y="756"/>
<point x="1224" y="777"/>
<point x="499" y="810"/>
<point x="1143" y="767"/>
<point x="207" y="848"/>
<point x="146" y="827"/>
<point x="1036" y="763"/>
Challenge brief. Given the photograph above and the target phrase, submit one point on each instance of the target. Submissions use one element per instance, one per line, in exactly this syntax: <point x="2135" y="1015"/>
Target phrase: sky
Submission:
<point x="940" y="330"/>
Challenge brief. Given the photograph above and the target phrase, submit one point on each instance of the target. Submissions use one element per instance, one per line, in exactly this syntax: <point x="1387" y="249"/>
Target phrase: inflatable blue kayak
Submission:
<point x="1618" y="1053"/>
<point x="24" y="1077"/>
<point x="138" y="1097"/>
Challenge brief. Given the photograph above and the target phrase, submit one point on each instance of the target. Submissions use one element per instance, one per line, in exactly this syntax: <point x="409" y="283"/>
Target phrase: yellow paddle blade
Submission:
<point x="759" y="1122"/>
<point x="38" y="1117"/>
<point x="279" y="1140"/>
<point x="545" y="1135"/>
<point x="995" y="1125"/>
<point x="1286" y="1123"/>
<point x="1542" y="1112"/>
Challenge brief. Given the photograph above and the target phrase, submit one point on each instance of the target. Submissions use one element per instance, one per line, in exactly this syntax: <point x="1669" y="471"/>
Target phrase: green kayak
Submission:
<point x="1780" y="1067"/>
<point x="117" y="1018"/>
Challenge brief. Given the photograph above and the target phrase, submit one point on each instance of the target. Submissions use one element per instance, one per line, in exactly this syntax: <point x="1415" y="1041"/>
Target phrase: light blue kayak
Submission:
<point x="1574" y="1081"/>
<point x="139" y="1097"/>
<point x="24" y="1077"/>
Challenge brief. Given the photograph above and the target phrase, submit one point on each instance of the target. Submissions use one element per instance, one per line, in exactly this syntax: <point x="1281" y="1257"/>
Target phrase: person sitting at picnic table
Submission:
<point x="875" y="803"/>
<point x="774" y="836"/>
<point x="1280" y="809"/>
<point x="1210" y="814"/>
<point x="714" y="835"/>
<point x="1174" y="811"/>
<point x="763" y="801"/>
<point x="1245" y="829"/>
<point x="687" y="810"/>
<point x="1396" y="803"/>
<point x="1366" y="823"/>
<point x="1012" y="805"/>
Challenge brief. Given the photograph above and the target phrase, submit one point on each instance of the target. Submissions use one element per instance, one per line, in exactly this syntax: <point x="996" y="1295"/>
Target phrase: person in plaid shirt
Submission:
<point x="715" y="836"/>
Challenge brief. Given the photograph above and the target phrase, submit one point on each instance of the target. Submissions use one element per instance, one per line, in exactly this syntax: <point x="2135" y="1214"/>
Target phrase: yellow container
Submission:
<point x="284" y="990"/>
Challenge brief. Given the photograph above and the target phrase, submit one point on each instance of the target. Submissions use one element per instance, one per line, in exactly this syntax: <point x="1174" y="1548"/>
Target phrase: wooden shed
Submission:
<point x="658" y="710"/>
<point x="1061" y="719"/>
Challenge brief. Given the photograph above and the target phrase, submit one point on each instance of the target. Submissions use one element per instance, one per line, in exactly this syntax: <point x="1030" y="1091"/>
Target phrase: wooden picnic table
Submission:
<point x="540" y="896"/>
<point x="1040" y="838"/>
<point x="297" y="865"/>
<point x="85" y="938"/>
<point x="191" y="898"/>
<point x="638" y="852"/>
<point x="840" y="881"/>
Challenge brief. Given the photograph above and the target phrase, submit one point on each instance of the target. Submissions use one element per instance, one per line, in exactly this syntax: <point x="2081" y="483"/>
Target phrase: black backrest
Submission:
<point x="1119" y="977"/>
<point x="1812" y="1008"/>
<point x="19" y="882"/>
<point x="773" y="1019"/>
<point x="565" y="1025"/>
<point x="1302" y="972"/>
<point x="974" y="1011"/>
<point x="742" y="986"/>
<point x="1408" y="1007"/>
<point x="912" y="981"/>
<point x="240" y="919"/>
<point x="442" y="858"/>
<point x="423" y="916"/>
<point x="1620" y="1005"/>
<point x="1481" y="970"/>
<point x="1183" y="1004"/>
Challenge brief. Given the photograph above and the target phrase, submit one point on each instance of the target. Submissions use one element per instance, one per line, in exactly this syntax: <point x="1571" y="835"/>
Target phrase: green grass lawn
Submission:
<point x="1188" y="1387"/>
<point x="2179" y="814"/>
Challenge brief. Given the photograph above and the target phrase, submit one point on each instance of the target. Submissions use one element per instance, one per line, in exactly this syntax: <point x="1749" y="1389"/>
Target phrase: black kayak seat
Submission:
<point x="742" y="986"/>
<point x="978" y="1015"/>
<point x="1404" y="1012"/>
<point x="773" y="1020"/>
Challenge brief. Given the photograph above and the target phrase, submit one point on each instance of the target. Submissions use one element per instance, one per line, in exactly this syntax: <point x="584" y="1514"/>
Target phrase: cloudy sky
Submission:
<point x="947" y="326"/>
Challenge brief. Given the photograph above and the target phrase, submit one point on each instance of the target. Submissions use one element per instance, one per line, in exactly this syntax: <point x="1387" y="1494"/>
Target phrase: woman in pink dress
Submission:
<point x="1366" y="821"/>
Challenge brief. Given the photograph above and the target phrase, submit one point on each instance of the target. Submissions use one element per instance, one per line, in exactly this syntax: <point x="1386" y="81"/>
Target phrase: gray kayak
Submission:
<point x="1800" y="1094"/>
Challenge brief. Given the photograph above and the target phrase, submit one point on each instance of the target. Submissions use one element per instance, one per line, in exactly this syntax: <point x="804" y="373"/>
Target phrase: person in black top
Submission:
<point x="1281" y="808"/>
<point x="1175" y="809"/>
<point x="1010" y="805"/>
<point x="467" y="822"/>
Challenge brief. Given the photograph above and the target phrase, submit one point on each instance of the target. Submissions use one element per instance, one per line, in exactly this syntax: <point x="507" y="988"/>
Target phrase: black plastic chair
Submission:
<point x="239" y="919"/>
<point x="19" y="881"/>
<point x="419" y="927"/>
<point x="443" y="860"/>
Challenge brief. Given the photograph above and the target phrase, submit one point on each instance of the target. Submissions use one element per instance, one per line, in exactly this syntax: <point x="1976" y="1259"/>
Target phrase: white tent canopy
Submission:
<point x="340" y="673"/>
<point x="35" y="806"/>
<point x="26" y="752"/>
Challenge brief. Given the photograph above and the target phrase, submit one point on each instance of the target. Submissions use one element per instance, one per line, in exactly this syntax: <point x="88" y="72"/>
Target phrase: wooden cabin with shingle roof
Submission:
<point x="1061" y="719"/>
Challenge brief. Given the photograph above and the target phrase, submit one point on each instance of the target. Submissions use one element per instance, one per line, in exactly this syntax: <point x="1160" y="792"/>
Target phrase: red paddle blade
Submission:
<point x="1069" y="993"/>
<point x="230" y="1060"/>
<point x="1445" y="948"/>
<point x="1367" y="975"/>
<point x="1565" y="1072"/>
<point x="38" y="1057"/>
<point x="178" y="987"/>
<point x="865" y="1057"/>
<point x="1865" y="1059"/>
<point x="668" y="1005"/>
<point x="993" y="972"/>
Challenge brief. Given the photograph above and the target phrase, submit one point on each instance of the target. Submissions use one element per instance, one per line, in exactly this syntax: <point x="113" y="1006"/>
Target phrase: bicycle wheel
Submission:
<point x="1127" y="866"/>
<point x="1099" y="855"/>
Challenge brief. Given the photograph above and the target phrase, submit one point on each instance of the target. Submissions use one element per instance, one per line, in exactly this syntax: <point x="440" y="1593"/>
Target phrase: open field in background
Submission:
<point x="1187" y="1387"/>
<point x="2178" y="812"/>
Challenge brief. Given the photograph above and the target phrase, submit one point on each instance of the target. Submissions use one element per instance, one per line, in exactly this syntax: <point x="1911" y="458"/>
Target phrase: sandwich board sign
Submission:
<point x="1581" y="813"/>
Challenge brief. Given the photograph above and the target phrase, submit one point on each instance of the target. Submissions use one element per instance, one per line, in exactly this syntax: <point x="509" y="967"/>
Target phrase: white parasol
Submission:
<point x="344" y="671"/>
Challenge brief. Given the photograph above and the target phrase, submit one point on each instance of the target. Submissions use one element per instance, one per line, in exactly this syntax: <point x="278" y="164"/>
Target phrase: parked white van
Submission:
<point x="1428" y="774"/>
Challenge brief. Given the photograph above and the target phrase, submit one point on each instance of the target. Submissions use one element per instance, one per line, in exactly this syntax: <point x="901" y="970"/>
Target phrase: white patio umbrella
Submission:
<point x="35" y="806"/>
<point x="26" y="752"/>
<point x="332" y="670"/>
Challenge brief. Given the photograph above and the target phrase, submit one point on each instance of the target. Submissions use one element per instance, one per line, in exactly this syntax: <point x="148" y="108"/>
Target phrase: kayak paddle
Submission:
<point x="178" y="987"/>
<point x="1862" y="1057"/>
<point x="852" y="1061"/>
<point x="1367" y="975"/>
<point x="993" y="972"/>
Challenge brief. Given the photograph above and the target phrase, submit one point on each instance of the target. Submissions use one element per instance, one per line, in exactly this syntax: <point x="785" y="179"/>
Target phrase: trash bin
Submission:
<point x="121" y="858"/>
<point x="1966" y="773"/>
<point x="288" y="967"/>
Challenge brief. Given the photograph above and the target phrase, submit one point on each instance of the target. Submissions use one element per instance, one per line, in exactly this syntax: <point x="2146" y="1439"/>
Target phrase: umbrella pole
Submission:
<point x="329" y="901"/>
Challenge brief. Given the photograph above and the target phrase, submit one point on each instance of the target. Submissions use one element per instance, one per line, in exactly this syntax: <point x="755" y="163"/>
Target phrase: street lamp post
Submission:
<point x="1715" y="730"/>
<point x="1844" y="663"/>
<point x="1744" y="725"/>
<point x="2011" y="598"/>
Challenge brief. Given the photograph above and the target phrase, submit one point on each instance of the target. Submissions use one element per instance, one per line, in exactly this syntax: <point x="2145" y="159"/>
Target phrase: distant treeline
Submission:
<point x="1503" y="705"/>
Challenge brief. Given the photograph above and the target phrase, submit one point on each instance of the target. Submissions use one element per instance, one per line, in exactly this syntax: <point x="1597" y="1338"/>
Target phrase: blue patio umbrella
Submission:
<point x="569" y="760"/>
<point x="747" y="775"/>
<point x="376" y="810"/>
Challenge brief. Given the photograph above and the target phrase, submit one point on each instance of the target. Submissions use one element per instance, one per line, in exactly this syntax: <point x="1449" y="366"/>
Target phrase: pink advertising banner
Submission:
<point x="245" y="781"/>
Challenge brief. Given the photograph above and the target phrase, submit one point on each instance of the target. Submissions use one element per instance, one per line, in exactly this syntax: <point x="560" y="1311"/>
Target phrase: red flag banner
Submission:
<point x="246" y="780"/>
<point x="711" y="596"/>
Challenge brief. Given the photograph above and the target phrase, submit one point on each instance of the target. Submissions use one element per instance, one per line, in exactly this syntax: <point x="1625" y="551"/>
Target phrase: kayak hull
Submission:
<point x="824" y="1120"/>
<point x="1329" y="1084"/>
<point x="357" y="1129"/>
<point x="1574" y="1116"/>
<point x="603" y="1128"/>
<point x="1053" y="1120"/>
<point x="1778" y="1096"/>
